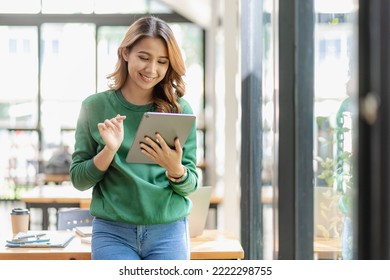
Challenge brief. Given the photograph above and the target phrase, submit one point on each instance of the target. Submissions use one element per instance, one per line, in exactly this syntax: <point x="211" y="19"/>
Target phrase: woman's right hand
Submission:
<point x="112" y="132"/>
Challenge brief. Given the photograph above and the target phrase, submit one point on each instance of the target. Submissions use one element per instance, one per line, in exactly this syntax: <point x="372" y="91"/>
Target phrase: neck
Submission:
<point x="136" y="97"/>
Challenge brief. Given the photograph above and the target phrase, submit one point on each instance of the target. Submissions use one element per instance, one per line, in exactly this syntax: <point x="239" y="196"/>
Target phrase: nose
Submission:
<point x="151" y="67"/>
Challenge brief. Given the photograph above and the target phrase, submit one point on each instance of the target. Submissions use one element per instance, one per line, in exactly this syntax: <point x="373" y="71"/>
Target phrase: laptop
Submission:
<point x="200" y="209"/>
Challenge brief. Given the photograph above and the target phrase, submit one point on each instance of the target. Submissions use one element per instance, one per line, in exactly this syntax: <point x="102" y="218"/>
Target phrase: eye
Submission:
<point x="163" y="61"/>
<point x="144" y="58"/>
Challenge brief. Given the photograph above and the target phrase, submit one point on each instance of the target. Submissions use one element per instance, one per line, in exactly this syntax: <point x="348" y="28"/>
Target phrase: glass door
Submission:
<point x="335" y="93"/>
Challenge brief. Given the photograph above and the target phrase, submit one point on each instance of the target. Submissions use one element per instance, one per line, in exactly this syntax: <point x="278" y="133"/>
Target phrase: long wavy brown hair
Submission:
<point x="167" y="92"/>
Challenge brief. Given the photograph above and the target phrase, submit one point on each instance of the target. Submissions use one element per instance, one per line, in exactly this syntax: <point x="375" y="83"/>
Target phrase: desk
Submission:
<point x="212" y="245"/>
<point x="327" y="248"/>
<point x="66" y="196"/>
<point x="54" y="196"/>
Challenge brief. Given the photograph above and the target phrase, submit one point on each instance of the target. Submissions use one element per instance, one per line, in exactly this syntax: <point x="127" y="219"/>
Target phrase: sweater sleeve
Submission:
<point x="190" y="183"/>
<point x="83" y="172"/>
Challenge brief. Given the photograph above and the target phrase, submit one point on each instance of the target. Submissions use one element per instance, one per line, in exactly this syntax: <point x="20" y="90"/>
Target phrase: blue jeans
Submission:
<point x="121" y="241"/>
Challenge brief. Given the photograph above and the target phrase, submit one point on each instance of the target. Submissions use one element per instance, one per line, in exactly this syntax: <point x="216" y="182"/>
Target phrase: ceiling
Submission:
<point x="198" y="11"/>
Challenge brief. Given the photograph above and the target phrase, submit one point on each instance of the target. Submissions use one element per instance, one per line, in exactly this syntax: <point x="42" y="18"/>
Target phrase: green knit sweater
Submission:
<point x="128" y="192"/>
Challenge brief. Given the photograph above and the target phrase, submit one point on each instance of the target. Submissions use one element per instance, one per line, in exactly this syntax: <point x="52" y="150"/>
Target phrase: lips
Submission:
<point x="146" y="78"/>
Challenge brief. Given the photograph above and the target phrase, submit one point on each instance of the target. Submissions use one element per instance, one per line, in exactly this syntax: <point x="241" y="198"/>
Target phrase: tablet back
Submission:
<point x="169" y="125"/>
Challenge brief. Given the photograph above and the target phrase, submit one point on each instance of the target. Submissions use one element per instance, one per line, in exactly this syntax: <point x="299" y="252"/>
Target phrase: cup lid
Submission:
<point x="19" y="211"/>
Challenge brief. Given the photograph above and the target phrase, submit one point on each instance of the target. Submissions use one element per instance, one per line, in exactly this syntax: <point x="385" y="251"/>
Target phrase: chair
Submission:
<point x="69" y="219"/>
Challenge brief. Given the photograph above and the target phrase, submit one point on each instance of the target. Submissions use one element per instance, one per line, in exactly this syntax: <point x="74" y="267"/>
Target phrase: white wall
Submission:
<point x="231" y="178"/>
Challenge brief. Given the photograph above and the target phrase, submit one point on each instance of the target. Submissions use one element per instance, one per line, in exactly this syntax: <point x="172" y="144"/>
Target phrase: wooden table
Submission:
<point x="54" y="196"/>
<point x="327" y="248"/>
<point x="212" y="245"/>
<point x="66" y="196"/>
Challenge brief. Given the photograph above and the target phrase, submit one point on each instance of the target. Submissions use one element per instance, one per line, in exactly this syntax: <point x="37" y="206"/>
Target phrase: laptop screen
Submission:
<point x="200" y="209"/>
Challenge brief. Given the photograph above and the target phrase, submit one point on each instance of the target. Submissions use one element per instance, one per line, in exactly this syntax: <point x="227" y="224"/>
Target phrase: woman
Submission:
<point x="140" y="209"/>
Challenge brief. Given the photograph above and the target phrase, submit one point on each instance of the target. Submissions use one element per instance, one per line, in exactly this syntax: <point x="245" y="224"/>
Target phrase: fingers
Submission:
<point x="150" y="143"/>
<point x="177" y="144"/>
<point x="102" y="126"/>
<point x="117" y="121"/>
<point x="120" y="118"/>
<point x="163" y="143"/>
<point x="159" y="151"/>
<point x="114" y="123"/>
<point x="159" y="148"/>
<point x="153" y="149"/>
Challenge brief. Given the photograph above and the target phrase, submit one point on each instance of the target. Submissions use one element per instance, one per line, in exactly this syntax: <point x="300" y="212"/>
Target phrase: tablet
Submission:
<point x="168" y="125"/>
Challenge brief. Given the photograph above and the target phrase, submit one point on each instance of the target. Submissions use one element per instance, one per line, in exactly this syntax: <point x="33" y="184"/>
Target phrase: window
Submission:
<point x="335" y="50"/>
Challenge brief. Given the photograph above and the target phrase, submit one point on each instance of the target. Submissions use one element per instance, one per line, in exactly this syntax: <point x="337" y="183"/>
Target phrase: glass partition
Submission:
<point x="68" y="76"/>
<point x="18" y="76"/>
<point x="334" y="115"/>
<point x="268" y="104"/>
<point x="109" y="38"/>
<point x="19" y="162"/>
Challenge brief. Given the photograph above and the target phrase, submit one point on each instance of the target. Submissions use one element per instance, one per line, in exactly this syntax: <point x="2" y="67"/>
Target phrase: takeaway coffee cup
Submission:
<point x="20" y="219"/>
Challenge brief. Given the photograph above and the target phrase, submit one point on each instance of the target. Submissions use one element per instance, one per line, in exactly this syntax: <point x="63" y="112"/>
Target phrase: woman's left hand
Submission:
<point x="162" y="154"/>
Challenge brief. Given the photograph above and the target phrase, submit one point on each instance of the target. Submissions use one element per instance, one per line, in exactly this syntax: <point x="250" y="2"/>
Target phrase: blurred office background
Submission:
<point x="290" y="98"/>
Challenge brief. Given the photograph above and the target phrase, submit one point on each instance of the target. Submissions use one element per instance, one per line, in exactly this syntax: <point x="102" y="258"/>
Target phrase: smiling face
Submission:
<point x="148" y="63"/>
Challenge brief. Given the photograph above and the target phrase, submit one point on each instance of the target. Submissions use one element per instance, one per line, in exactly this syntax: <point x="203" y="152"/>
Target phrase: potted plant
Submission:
<point x="335" y="173"/>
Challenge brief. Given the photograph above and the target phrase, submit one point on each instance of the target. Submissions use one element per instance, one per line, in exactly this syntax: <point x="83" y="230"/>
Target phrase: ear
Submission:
<point x="125" y="54"/>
